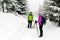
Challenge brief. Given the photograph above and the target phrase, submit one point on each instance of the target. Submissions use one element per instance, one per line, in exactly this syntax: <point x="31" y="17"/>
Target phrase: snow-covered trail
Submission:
<point x="50" y="31"/>
<point x="15" y="28"/>
<point x="11" y="26"/>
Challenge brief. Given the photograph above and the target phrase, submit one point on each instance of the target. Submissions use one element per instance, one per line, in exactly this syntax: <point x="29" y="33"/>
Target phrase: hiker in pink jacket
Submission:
<point x="39" y="18"/>
<point x="40" y="21"/>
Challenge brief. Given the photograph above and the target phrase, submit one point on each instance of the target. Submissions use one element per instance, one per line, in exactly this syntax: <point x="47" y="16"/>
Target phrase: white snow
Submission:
<point x="15" y="28"/>
<point x="34" y="5"/>
<point x="10" y="26"/>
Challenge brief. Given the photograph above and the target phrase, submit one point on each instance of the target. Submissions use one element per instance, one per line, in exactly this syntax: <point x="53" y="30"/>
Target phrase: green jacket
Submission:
<point x="30" y="17"/>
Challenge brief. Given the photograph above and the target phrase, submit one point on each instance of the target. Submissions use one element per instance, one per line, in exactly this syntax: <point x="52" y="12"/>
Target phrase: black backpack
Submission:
<point x="44" y="20"/>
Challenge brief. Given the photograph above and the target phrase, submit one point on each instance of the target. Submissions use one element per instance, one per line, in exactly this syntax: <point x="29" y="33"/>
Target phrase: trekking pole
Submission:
<point x="37" y="29"/>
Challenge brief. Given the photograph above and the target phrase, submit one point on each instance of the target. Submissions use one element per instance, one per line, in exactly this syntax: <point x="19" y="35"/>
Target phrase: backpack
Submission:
<point x="44" y="20"/>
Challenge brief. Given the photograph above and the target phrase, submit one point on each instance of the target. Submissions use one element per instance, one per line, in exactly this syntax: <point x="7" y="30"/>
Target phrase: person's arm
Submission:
<point x="32" y="17"/>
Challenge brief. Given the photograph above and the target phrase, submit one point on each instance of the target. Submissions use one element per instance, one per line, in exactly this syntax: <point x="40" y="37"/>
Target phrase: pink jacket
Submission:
<point x="40" y="19"/>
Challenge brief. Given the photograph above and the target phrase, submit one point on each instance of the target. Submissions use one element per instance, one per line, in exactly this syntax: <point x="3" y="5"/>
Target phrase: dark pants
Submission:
<point x="29" y="24"/>
<point x="41" y="29"/>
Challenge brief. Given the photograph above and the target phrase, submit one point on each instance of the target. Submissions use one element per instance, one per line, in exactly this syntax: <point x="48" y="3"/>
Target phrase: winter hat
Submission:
<point x="39" y="14"/>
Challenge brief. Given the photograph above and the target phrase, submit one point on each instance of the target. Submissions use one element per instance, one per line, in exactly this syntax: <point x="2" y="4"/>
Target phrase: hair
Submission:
<point x="30" y="12"/>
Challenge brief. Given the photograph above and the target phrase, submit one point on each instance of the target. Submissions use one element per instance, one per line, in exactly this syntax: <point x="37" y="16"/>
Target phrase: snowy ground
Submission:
<point x="15" y="28"/>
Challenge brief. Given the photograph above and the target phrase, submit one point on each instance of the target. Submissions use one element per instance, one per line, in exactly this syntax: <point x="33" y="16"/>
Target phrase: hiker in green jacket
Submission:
<point x="30" y="19"/>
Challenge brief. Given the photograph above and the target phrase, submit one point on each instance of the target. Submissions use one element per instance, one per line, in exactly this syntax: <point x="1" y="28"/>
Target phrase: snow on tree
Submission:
<point x="52" y="8"/>
<point x="5" y="4"/>
<point x="20" y="6"/>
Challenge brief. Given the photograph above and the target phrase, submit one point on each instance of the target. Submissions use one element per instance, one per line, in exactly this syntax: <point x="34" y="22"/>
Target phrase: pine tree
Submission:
<point x="18" y="6"/>
<point x="21" y="6"/>
<point x="52" y="6"/>
<point x="5" y="4"/>
<point x="53" y="9"/>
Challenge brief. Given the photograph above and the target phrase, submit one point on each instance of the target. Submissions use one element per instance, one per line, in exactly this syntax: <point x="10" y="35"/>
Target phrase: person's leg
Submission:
<point x="30" y="24"/>
<point x="41" y="30"/>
